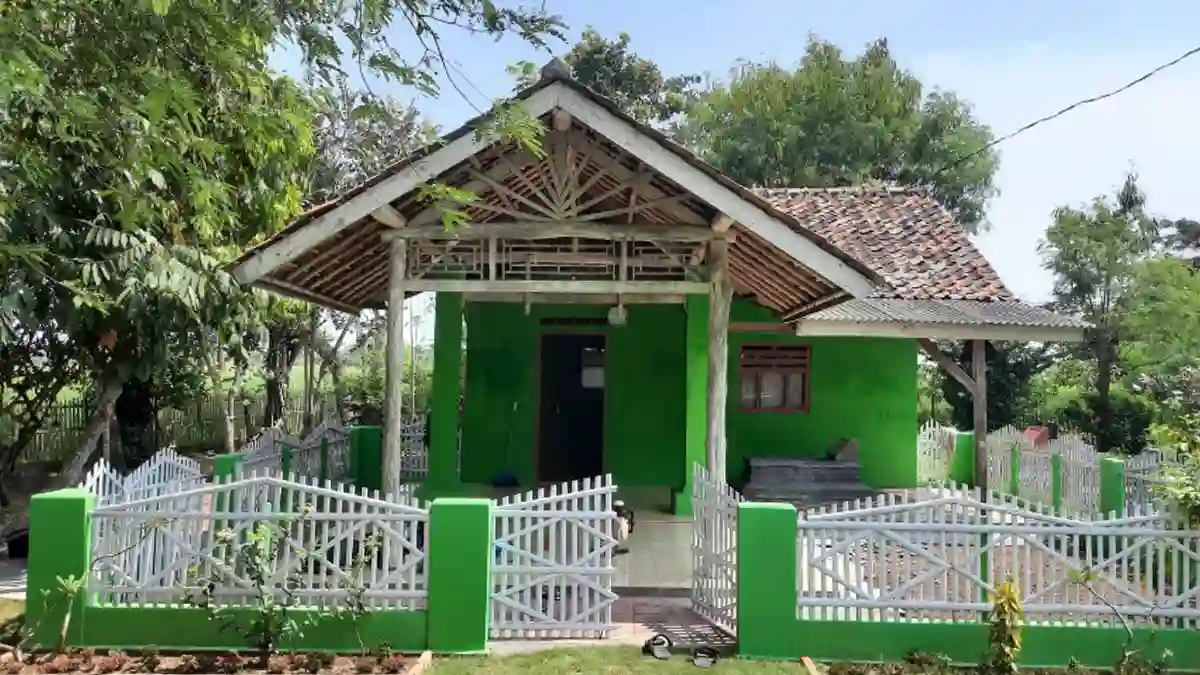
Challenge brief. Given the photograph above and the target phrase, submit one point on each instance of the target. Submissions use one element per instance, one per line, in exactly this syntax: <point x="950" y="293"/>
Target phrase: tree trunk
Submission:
<point x="105" y="402"/>
<point x="1103" y="411"/>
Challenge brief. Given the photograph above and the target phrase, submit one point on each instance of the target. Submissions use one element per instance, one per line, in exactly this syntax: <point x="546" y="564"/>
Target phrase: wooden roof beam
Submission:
<point x="560" y="230"/>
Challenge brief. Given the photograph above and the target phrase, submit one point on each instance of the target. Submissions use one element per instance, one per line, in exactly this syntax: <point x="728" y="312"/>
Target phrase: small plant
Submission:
<point x="253" y="557"/>
<point x="1004" y="629"/>
<point x="1131" y="662"/>
<point x="257" y="558"/>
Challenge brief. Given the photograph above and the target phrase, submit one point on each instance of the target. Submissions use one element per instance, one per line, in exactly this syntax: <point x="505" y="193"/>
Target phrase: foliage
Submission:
<point x="635" y="84"/>
<point x="256" y="555"/>
<point x="1004" y="629"/>
<point x="835" y="121"/>
<point x="1093" y="253"/>
<point x="358" y="136"/>
<point x="1010" y="367"/>
<point x="1161" y="310"/>
<point x="146" y="143"/>
<point x="1129" y="418"/>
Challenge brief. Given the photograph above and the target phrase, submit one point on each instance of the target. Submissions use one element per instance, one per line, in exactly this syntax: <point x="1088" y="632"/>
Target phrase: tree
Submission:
<point x="357" y="136"/>
<point x="1093" y="253"/>
<point x="1010" y="369"/>
<point x="145" y="143"/>
<point x="1161" y="317"/>
<point x="632" y="82"/>
<point x="833" y="121"/>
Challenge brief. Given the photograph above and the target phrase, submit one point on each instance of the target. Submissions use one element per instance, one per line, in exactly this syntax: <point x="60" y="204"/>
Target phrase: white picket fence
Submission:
<point x="165" y="472"/>
<point x="714" y="549"/>
<point x="553" y="570"/>
<point x="333" y="546"/>
<point x="264" y="453"/>
<point x="935" y="452"/>
<point x="1080" y="466"/>
<point x="937" y="554"/>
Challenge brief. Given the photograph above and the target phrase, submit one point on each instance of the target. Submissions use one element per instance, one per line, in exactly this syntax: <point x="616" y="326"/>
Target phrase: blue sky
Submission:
<point x="1015" y="60"/>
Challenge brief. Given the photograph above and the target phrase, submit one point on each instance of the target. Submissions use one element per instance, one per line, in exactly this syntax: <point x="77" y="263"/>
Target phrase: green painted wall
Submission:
<point x="864" y="388"/>
<point x="861" y="387"/>
<point x="643" y="391"/>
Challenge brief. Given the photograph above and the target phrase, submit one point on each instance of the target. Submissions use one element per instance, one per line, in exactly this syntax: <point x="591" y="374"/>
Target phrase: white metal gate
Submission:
<point x="714" y="549"/>
<point x="553" y="569"/>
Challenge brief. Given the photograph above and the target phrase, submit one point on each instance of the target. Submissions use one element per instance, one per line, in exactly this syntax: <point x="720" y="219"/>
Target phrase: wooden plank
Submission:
<point x="558" y="230"/>
<point x="598" y="287"/>
<point x="762" y="222"/>
<point x="946" y="363"/>
<point x="979" y="412"/>
<point x="389" y="216"/>
<point x="288" y="248"/>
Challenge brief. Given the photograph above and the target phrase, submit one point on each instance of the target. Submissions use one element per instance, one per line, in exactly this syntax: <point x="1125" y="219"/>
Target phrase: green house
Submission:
<point x="618" y="306"/>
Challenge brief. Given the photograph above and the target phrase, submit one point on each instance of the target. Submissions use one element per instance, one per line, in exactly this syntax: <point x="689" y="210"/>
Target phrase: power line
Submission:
<point x="1078" y="104"/>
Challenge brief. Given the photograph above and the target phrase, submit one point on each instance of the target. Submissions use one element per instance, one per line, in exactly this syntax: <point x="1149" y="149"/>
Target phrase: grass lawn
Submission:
<point x="601" y="661"/>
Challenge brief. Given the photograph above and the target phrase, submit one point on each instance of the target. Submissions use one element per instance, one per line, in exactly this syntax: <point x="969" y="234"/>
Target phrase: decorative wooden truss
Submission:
<point x="586" y="219"/>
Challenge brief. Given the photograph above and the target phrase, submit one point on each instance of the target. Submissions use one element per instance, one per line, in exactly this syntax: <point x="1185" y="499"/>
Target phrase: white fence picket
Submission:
<point x="935" y="452"/>
<point x="553" y="571"/>
<point x="919" y="556"/>
<point x="157" y="550"/>
<point x="164" y="473"/>
<point x="714" y="549"/>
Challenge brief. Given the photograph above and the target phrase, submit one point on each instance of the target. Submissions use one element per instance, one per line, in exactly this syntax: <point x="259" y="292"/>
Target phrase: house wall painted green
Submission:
<point x="860" y="387"/>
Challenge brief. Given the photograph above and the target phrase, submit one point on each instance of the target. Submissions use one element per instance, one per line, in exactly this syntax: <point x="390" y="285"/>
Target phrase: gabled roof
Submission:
<point x="837" y="274"/>
<point x="903" y="234"/>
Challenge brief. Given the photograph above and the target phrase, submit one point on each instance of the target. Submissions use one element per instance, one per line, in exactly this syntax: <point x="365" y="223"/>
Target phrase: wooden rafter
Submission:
<point x="976" y="386"/>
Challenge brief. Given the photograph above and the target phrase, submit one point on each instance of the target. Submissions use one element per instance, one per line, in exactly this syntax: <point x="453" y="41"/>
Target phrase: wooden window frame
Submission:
<point x="758" y="360"/>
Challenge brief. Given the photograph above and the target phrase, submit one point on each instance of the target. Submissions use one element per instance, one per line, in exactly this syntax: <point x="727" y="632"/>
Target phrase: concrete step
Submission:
<point x="778" y="470"/>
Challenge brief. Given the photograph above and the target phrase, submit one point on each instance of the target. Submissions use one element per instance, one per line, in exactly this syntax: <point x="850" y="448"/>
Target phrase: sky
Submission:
<point x="1014" y="60"/>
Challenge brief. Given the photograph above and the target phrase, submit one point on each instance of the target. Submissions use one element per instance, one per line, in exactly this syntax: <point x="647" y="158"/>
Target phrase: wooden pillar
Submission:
<point x="976" y="386"/>
<point x="979" y="411"/>
<point x="720" y="298"/>
<point x="394" y="417"/>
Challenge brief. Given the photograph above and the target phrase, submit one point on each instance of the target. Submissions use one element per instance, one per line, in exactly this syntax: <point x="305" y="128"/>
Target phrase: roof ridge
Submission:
<point x="890" y="188"/>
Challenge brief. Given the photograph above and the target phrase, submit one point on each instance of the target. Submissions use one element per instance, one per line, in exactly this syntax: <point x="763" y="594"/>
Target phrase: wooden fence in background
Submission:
<point x="198" y="425"/>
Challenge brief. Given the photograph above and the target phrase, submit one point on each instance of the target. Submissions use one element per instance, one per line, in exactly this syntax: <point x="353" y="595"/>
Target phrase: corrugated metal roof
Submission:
<point x="949" y="312"/>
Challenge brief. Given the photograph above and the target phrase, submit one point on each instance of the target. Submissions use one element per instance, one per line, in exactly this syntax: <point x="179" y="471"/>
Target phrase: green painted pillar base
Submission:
<point x="766" y="579"/>
<point x="60" y="551"/>
<point x="681" y="501"/>
<point x="446" y="391"/>
<point x="1112" y="486"/>
<point x="962" y="466"/>
<point x="366" y="457"/>
<point x="459" y="564"/>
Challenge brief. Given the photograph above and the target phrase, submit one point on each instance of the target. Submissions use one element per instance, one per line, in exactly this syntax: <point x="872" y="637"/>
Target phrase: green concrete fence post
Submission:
<point x="285" y="459"/>
<point x="459" y="564"/>
<point x="766" y="577"/>
<point x="1056" y="485"/>
<point x="695" y="399"/>
<point x="366" y="457"/>
<point x="962" y="467"/>
<point x="323" y="470"/>
<point x="1014" y="480"/>
<point x="60" y="540"/>
<point x="226" y="468"/>
<point x="1112" y="486"/>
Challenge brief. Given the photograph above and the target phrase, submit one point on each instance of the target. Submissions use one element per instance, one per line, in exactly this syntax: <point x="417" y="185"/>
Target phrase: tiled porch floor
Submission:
<point x="660" y="556"/>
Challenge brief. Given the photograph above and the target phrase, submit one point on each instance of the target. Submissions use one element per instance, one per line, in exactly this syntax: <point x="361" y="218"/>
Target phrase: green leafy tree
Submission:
<point x="1093" y="253"/>
<point x="1161" y="317"/>
<point x="146" y="143"/>
<point x="1011" y="367"/>
<point x="635" y="84"/>
<point x="836" y="121"/>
